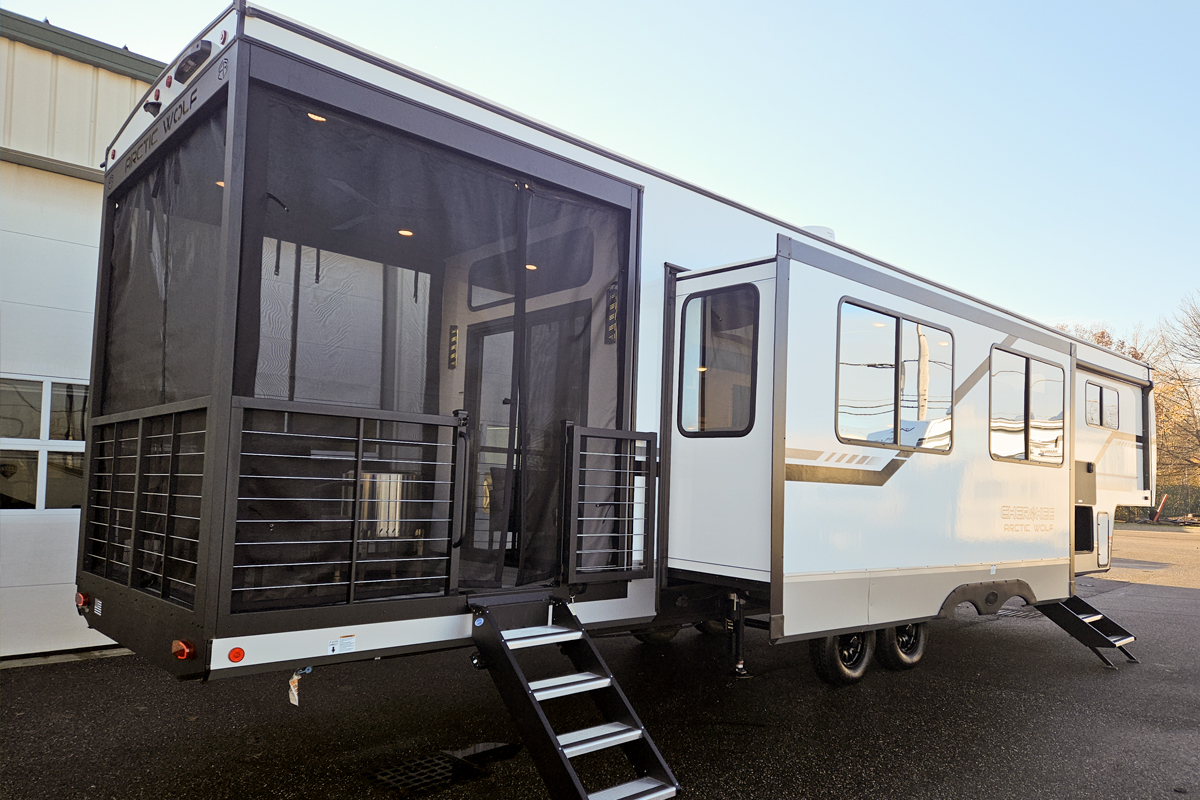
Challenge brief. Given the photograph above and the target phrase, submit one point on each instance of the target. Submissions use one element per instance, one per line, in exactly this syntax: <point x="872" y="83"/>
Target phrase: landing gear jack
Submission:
<point x="737" y="635"/>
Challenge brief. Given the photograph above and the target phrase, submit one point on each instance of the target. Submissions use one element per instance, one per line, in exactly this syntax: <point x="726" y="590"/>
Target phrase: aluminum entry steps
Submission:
<point x="502" y="628"/>
<point x="1089" y="626"/>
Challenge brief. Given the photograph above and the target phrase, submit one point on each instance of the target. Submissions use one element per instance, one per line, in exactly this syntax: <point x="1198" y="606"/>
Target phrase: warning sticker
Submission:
<point x="98" y="607"/>
<point x="340" y="646"/>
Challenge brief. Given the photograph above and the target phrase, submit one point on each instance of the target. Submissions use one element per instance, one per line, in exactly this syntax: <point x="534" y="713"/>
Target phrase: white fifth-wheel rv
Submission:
<point x="381" y="367"/>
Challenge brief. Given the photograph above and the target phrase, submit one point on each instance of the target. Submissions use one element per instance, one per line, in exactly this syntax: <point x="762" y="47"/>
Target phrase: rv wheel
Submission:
<point x="658" y="637"/>
<point x="842" y="660"/>
<point x="901" y="647"/>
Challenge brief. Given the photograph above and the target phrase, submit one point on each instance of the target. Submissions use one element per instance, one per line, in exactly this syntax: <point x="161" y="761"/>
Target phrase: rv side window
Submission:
<point x="1102" y="406"/>
<point x="1027" y="404"/>
<point x="718" y="354"/>
<point x="875" y="398"/>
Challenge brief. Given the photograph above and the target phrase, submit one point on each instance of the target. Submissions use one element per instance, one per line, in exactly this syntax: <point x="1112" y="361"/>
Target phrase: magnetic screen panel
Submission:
<point x="381" y="271"/>
<point x="162" y="276"/>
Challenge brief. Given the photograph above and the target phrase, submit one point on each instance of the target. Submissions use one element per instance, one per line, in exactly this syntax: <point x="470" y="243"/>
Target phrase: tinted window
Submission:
<point x="1045" y="413"/>
<point x="1008" y="405"/>
<point x="866" y="375"/>
<point x="1102" y="406"/>
<point x="717" y="362"/>
<point x="1027" y="402"/>
<point x="874" y="392"/>
<point x="1092" y="402"/>
<point x="926" y="386"/>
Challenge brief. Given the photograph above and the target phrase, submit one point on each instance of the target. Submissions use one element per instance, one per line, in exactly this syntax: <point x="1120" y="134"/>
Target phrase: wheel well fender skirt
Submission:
<point x="987" y="597"/>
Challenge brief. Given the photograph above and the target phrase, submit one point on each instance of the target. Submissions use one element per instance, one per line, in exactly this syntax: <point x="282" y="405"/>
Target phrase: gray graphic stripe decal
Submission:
<point x="868" y="477"/>
<point x="859" y="477"/>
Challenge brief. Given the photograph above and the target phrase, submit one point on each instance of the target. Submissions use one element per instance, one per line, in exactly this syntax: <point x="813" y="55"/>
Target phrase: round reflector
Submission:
<point x="237" y="654"/>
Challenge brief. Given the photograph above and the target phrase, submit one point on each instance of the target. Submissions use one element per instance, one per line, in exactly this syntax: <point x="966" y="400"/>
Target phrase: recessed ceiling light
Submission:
<point x="944" y="344"/>
<point x="530" y="266"/>
<point x="701" y="369"/>
<point x="880" y="324"/>
<point x="316" y="117"/>
<point x="404" y="232"/>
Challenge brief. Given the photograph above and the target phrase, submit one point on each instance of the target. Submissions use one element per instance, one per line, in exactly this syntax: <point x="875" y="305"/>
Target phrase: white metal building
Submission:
<point x="63" y="97"/>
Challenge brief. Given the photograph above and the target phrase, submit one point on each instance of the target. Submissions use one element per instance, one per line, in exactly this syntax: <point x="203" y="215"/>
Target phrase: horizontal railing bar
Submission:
<point x="361" y="581"/>
<point x="406" y="442"/>
<point x="308" y="541"/>
<point x="310" y="457"/>
<point x="291" y="586"/>
<point x="290" y="564"/>
<point x="277" y="521"/>
<point x="400" y="560"/>
<point x="327" y="436"/>
<point x="343" y="479"/>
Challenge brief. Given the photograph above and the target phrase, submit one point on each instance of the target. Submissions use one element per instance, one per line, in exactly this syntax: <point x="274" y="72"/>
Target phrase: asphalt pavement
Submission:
<point x="1000" y="707"/>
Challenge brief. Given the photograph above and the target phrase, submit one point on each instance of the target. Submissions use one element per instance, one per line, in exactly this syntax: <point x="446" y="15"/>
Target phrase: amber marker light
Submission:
<point x="221" y="184"/>
<point x="316" y="117"/>
<point x="531" y="266"/>
<point x="701" y="369"/>
<point x="183" y="649"/>
<point x="404" y="232"/>
<point x="237" y="654"/>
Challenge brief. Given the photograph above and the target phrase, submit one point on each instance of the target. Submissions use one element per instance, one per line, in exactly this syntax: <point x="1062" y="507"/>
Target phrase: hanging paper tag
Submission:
<point x="294" y="685"/>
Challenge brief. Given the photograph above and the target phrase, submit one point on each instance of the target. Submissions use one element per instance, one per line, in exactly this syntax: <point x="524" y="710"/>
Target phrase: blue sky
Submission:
<point x="1041" y="156"/>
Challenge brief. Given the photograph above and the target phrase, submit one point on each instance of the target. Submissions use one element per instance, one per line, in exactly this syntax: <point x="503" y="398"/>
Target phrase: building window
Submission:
<point x="41" y="443"/>
<point x="717" y="362"/>
<point x="1027" y="403"/>
<point x="895" y="380"/>
<point x="1102" y="406"/>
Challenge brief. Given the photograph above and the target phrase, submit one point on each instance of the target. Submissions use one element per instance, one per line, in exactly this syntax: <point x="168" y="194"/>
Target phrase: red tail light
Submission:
<point x="182" y="649"/>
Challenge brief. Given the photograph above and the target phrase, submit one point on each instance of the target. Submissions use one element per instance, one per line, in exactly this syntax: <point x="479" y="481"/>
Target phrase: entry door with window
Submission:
<point x="721" y="431"/>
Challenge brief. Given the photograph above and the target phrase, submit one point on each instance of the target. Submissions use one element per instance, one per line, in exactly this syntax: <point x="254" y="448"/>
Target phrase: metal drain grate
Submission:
<point x="1019" y="613"/>
<point x="426" y="775"/>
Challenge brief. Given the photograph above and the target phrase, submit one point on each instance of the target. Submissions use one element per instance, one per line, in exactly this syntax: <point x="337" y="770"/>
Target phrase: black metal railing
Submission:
<point x="608" y="510"/>
<point x="335" y="509"/>
<point x="144" y="524"/>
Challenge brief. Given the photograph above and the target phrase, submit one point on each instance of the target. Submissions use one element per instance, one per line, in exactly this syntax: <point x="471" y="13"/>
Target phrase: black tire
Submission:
<point x="903" y="646"/>
<point x="658" y="638"/>
<point x="842" y="660"/>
